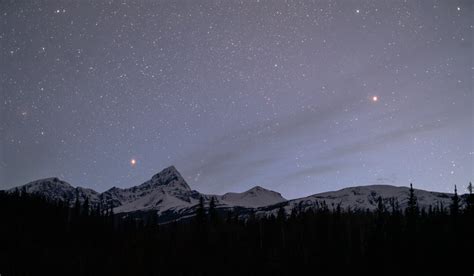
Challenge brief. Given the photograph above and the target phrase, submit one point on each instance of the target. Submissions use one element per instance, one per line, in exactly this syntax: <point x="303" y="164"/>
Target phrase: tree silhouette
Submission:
<point x="455" y="202"/>
<point x="412" y="208"/>
<point x="469" y="199"/>
<point x="213" y="216"/>
<point x="380" y="206"/>
<point x="86" y="207"/>
<point x="45" y="235"/>
<point x="200" y="212"/>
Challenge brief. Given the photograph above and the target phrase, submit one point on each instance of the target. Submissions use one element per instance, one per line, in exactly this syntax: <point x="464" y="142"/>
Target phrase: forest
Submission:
<point x="40" y="237"/>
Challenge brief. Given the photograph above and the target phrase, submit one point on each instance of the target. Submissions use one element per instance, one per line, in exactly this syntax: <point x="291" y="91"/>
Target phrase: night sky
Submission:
<point x="296" y="96"/>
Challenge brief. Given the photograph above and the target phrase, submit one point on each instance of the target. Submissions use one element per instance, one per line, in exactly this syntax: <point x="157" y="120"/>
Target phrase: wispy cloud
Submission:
<point x="375" y="141"/>
<point x="316" y="170"/>
<point x="246" y="152"/>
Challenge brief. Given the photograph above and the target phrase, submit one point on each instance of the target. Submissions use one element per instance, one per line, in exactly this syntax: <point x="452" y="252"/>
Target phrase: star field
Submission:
<point x="296" y="96"/>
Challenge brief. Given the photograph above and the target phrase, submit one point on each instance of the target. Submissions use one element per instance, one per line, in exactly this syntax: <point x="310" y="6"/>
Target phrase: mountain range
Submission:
<point x="168" y="196"/>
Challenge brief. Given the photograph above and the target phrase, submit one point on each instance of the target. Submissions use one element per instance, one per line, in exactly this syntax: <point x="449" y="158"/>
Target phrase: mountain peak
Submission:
<point x="254" y="197"/>
<point x="257" y="189"/>
<point x="168" y="170"/>
<point x="47" y="183"/>
<point x="55" y="189"/>
<point x="169" y="177"/>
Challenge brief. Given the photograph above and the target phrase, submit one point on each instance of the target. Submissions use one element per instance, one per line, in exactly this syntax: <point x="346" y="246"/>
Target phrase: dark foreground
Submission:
<point x="44" y="238"/>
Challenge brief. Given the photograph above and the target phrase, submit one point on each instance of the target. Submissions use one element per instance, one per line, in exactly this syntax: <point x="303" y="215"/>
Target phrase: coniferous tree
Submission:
<point x="77" y="207"/>
<point x="412" y="208"/>
<point x="213" y="217"/>
<point x="380" y="206"/>
<point x="200" y="212"/>
<point x="455" y="202"/>
<point x="412" y="224"/>
<point x="111" y="211"/>
<point x="441" y="207"/>
<point x="281" y="218"/>
<point x="394" y="205"/>
<point x="85" y="207"/>
<point x="281" y="215"/>
<point x="469" y="199"/>
<point x="252" y="216"/>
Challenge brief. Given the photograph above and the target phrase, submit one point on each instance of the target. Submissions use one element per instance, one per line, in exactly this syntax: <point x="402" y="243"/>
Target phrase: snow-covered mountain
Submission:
<point x="363" y="198"/>
<point x="253" y="198"/>
<point x="55" y="189"/>
<point x="168" y="195"/>
<point x="166" y="192"/>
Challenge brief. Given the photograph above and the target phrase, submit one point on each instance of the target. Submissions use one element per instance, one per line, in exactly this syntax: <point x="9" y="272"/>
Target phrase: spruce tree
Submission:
<point x="380" y="206"/>
<point x="85" y="207"/>
<point x="469" y="199"/>
<point x="455" y="202"/>
<point x="200" y="212"/>
<point x="281" y="215"/>
<point x="111" y="211"/>
<point x="77" y="208"/>
<point x="251" y="217"/>
<point x="412" y="207"/>
<point x="212" y="211"/>
<point x="281" y="218"/>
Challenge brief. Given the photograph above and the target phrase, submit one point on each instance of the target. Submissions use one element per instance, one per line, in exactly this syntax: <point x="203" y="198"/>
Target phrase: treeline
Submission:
<point x="38" y="237"/>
